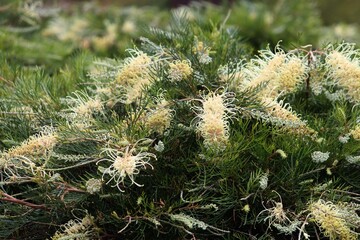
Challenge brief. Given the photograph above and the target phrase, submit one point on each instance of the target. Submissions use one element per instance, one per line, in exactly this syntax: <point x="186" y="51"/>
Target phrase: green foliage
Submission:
<point x="264" y="22"/>
<point x="191" y="133"/>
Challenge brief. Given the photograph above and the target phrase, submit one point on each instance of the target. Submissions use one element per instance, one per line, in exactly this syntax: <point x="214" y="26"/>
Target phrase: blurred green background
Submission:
<point x="332" y="11"/>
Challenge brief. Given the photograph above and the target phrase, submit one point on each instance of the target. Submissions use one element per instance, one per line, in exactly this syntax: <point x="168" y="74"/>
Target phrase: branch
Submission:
<point x="73" y="166"/>
<point x="3" y="79"/>
<point x="67" y="188"/>
<point x="6" y="197"/>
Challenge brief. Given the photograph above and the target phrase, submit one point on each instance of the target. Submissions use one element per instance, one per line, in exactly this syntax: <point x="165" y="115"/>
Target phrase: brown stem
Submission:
<point x="67" y="189"/>
<point x="6" y="197"/>
<point x="6" y="81"/>
<point x="271" y="156"/>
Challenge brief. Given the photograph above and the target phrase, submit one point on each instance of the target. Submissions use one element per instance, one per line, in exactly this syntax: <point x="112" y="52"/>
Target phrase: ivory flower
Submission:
<point x="344" y="69"/>
<point x="214" y="114"/>
<point x="37" y="145"/>
<point x="202" y="52"/>
<point x="77" y="229"/>
<point x="355" y="133"/>
<point x="125" y="164"/>
<point x="278" y="72"/>
<point x="331" y="220"/>
<point x="282" y="115"/>
<point x="134" y="75"/>
<point x="180" y="70"/>
<point x="158" y="120"/>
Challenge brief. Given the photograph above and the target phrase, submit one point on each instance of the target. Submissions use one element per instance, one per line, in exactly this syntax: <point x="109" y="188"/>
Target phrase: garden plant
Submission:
<point x="203" y="123"/>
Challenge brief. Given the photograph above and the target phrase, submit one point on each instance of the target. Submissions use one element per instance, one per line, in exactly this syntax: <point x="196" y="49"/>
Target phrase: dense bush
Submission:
<point x="192" y="133"/>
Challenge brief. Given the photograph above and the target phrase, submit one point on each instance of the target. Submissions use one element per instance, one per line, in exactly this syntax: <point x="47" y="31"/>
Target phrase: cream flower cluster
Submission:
<point x="67" y="30"/>
<point x="344" y="69"/>
<point x="263" y="181"/>
<point x="159" y="119"/>
<point x="180" y="70"/>
<point x="202" y="52"/>
<point x="189" y="221"/>
<point x="353" y="159"/>
<point x="355" y="133"/>
<point x="275" y="73"/>
<point x="332" y="220"/>
<point x="24" y="160"/>
<point x="282" y="115"/>
<point x="77" y="229"/>
<point x="320" y="157"/>
<point x="134" y="75"/>
<point x="271" y="75"/>
<point x="125" y="164"/>
<point x="37" y="145"/>
<point x="214" y="115"/>
<point x="104" y="42"/>
<point x="93" y="185"/>
<point x="82" y="108"/>
<point x="83" y="105"/>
